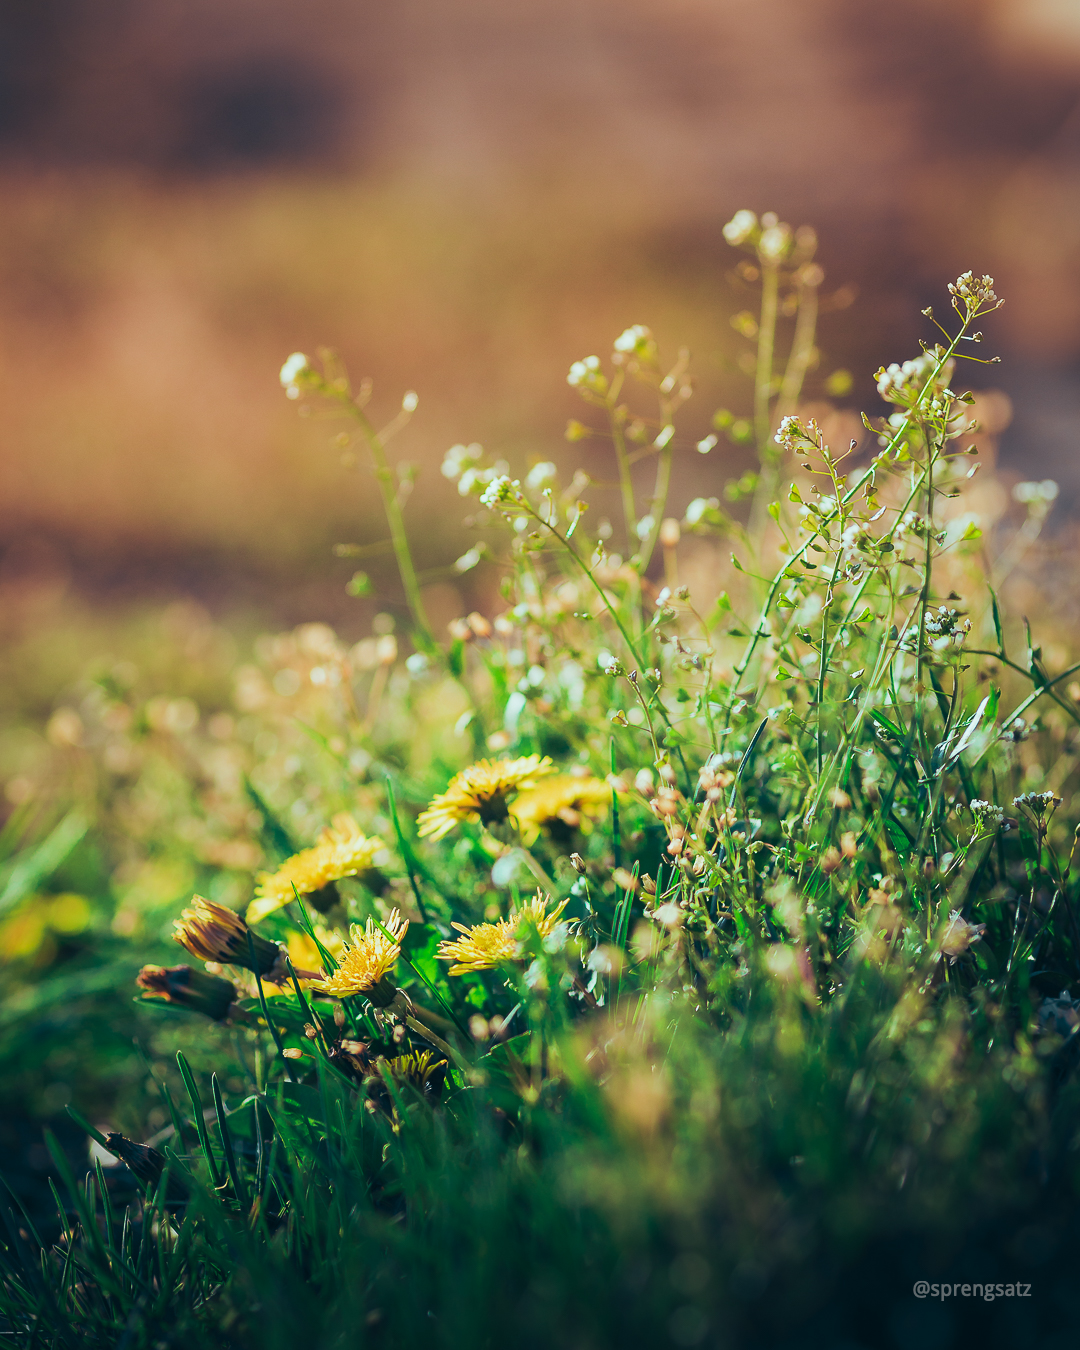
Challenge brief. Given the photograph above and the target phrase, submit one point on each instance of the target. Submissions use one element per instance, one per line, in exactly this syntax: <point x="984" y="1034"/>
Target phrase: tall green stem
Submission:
<point x="398" y="535"/>
<point x="770" y="283"/>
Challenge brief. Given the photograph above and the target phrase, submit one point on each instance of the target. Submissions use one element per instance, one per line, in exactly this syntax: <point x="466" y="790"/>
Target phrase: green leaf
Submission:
<point x="32" y="868"/>
<point x="972" y="532"/>
<point x="997" y="622"/>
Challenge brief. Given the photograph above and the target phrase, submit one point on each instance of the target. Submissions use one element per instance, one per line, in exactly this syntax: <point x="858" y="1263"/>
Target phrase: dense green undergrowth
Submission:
<point x="653" y="963"/>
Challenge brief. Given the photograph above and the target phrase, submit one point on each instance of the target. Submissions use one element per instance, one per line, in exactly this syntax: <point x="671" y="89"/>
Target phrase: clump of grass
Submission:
<point x="673" y="956"/>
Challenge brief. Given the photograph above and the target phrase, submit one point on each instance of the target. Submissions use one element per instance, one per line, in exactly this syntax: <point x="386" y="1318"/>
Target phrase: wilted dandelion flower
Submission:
<point x="481" y="793"/>
<point x="959" y="935"/>
<point x="195" y="990"/>
<point x="214" y="933"/>
<point x="366" y="960"/>
<point x="421" y="1069"/>
<point x="342" y="851"/>
<point x="566" y="799"/>
<point x="487" y="945"/>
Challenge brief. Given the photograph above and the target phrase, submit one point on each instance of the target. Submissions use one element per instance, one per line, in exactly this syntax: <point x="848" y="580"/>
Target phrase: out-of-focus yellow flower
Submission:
<point x="487" y="945"/>
<point x="482" y="793"/>
<point x="342" y="851"/>
<point x="214" y="933"/>
<point x="366" y="960"/>
<point x="420" y="1069"/>
<point x="29" y="930"/>
<point x="304" y="954"/>
<point x="566" y="799"/>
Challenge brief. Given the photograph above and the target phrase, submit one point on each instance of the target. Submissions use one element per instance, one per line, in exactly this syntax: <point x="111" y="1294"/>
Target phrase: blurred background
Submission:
<point x="462" y="198"/>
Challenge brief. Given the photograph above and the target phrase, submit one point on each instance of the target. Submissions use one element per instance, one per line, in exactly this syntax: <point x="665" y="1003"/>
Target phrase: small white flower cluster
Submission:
<point x="947" y="627"/>
<point x="462" y="462"/>
<point x="770" y="237"/>
<point x="1017" y="731"/>
<point x="974" y="291"/>
<point x="905" y="383"/>
<point x="296" y="366"/>
<point x="541" y="475"/>
<point x="911" y="523"/>
<point x="1038" y="803"/>
<point x="1038" y="496"/>
<point x="459" y="458"/>
<point x="699" y="508"/>
<point x="741" y="229"/>
<point x="791" y="434"/>
<point x="988" y="817"/>
<point x="587" y="375"/>
<point x="636" y="340"/>
<point x="501" y="489"/>
<point x="775" y="242"/>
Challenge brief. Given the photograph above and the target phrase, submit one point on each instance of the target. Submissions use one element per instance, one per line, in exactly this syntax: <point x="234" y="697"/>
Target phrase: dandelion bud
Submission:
<point x="577" y="862"/>
<point x="212" y="932"/>
<point x="146" y="1162"/>
<point x="187" y="988"/>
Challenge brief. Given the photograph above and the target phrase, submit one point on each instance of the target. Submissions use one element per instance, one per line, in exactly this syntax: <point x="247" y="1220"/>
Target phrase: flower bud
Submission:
<point x="212" y="932"/>
<point x="146" y="1162"/>
<point x="187" y="988"/>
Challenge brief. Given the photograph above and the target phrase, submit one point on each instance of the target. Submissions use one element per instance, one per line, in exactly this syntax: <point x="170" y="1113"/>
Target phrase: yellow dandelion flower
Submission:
<point x="366" y="960"/>
<point x="214" y="933"/>
<point x="561" y="804"/>
<point x="342" y="851"/>
<point x="487" y="945"/>
<point x="420" y="1069"/>
<point x="481" y="793"/>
